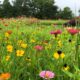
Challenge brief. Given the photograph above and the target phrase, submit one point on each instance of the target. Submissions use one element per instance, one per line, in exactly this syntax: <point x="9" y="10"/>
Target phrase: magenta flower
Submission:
<point x="56" y="32"/>
<point x="38" y="47"/>
<point x="73" y="31"/>
<point x="46" y="74"/>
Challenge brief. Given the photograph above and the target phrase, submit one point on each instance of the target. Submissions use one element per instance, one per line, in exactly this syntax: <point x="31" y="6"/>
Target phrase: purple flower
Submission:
<point x="46" y="74"/>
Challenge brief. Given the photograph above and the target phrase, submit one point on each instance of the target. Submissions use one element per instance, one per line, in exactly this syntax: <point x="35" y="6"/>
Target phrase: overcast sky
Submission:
<point x="73" y="4"/>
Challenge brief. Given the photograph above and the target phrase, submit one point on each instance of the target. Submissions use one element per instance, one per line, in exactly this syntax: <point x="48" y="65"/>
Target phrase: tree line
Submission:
<point x="42" y="9"/>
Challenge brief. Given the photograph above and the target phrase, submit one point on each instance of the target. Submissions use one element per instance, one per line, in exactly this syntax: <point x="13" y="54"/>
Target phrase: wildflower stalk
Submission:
<point x="77" y="47"/>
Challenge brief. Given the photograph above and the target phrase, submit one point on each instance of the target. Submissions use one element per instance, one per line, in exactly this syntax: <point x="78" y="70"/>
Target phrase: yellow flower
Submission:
<point x="20" y="42"/>
<point x="48" y="46"/>
<point x="32" y="41"/>
<point x="19" y="52"/>
<point x="9" y="48"/>
<point x="56" y="55"/>
<point x="6" y="34"/>
<point x="59" y="54"/>
<point x="24" y="45"/>
<point x="59" y="43"/>
<point x="66" y="67"/>
<point x="62" y="55"/>
<point x="7" y="58"/>
<point x="28" y="59"/>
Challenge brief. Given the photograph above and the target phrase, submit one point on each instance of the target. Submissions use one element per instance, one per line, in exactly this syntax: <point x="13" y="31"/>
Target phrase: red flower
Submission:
<point x="56" y="32"/>
<point x="73" y="31"/>
<point x="38" y="47"/>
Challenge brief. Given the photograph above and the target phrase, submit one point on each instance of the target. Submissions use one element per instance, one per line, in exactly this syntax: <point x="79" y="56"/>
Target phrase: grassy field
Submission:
<point x="27" y="47"/>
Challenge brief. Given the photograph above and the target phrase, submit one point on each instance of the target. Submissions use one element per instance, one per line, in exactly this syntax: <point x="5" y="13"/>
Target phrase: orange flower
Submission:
<point x="5" y="76"/>
<point x="9" y="32"/>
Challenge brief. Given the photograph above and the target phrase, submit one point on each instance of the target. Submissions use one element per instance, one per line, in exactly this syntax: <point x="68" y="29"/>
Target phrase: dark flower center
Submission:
<point x="65" y="65"/>
<point x="59" y="52"/>
<point x="70" y="40"/>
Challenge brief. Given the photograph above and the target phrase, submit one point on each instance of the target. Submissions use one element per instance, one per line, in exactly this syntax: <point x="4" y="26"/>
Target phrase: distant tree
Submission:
<point x="7" y="9"/>
<point x="79" y="12"/>
<point x="45" y="9"/>
<point x="67" y="13"/>
<point x="35" y="8"/>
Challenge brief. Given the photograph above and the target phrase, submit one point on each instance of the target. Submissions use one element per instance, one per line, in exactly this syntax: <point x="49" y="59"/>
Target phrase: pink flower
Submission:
<point x="56" y="32"/>
<point x="38" y="47"/>
<point x="73" y="31"/>
<point x="46" y="74"/>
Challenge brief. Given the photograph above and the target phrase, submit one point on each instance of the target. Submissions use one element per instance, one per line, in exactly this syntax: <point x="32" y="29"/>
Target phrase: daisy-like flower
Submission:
<point x="19" y="52"/>
<point x="65" y="67"/>
<point x="59" y="54"/>
<point x="9" y="48"/>
<point x="46" y="74"/>
<point x="56" y="32"/>
<point x="73" y="31"/>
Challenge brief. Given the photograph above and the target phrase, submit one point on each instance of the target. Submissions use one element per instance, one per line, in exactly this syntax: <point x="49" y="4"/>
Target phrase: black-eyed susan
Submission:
<point x="20" y="52"/>
<point x="9" y="48"/>
<point x="28" y="59"/>
<point x="70" y="40"/>
<point x="59" y="54"/>
<point x="66" y="67"/>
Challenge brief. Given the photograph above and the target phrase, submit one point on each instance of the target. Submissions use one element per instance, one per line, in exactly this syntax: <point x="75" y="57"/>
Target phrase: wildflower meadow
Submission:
<point x="32" y="49"/>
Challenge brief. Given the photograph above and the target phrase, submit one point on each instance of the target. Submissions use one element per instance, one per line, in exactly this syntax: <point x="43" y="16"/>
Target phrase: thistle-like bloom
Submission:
<point x="9" y="48"/>
<point x="47" y="74"/>
<point x="38" y="47"/>
<point x="73" y="31"/>
<point x="19" y="52"/>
